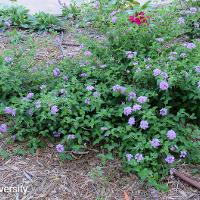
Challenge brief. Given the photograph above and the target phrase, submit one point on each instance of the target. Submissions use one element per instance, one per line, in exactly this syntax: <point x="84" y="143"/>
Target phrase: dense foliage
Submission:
<point x="19" y="17"/>
<point x="134" y="94"/>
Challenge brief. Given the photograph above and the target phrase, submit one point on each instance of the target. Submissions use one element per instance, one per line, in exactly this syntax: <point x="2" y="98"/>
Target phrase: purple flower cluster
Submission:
<point x="171" y="134"/>
<point x="127" y="111"/>
<point x="164" y="75"/>
<point x="56" y="72"/>
<point x="71" y="137"/>
<point x="144" y="124"/>
<point x="54" y="110"/>
<point x="163" y="111"/>
<point x="65" y="78"/>
<point x="164" y="85"/>
<point x="190" y="45"/>
<point x="87" y="101"/>
<point x="87" y="53"/>
<point x="10" y="111"/>
<point x="129" y="157"/>
<point x="198" y="84"/>
<point x="96" y="94"/>
<point x="56" y="134"/>
<point x="8" y="59"/>
<point x="170" y="159"/>
<point x="136" y="107"/>
<point x="131" y="121"/>
<point x="131" y="54"/>
<point x="83" y="75"/>
<point x="142" y="99"/>
<point x="197" y="69"/>
<point x="131" y="96"/>
<point x="97" y="4"/>
<point x="114" y="19"/>
<point x="30" y="95"/>
<point x="89" y="88"/>
<point x="3" y="128"/>
<point x="173" y="56"/>
<point x="60" y="148"/>
<point x="118" y="88"/>
<point x="155" y="143"/>
<point x="181" y="20"/>
<point x="37" y="104"/>
<point x="193" y="10"/>
<point x="156" y="72"/>
<point x="139" y="157"/>
<point x="183" y="154"/>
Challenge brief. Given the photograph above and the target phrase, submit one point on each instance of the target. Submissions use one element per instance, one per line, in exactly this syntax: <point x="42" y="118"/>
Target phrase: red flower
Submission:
<point x="138" y="18"/>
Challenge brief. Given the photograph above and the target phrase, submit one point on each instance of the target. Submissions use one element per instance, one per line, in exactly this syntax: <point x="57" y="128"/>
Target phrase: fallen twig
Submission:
<point x="187" y="179"/>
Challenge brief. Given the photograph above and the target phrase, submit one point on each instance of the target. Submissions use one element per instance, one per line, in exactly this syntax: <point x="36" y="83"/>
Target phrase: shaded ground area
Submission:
<point x="84" y="178"/>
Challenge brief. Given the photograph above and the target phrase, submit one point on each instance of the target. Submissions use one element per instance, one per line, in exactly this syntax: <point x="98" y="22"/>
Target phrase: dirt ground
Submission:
<point x="84" y="178"/>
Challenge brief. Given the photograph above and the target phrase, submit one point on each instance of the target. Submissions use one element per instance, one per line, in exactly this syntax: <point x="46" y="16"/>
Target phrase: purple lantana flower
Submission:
<point x="131" y="54"/>
<point x="65" y="78"/>
<point x="127" y="111"/>
<point x="56" y="134"/>
<point x="163" y="111"/>
<point x="96" y="94"/>
<point x="139" y="157"/>
<point x="129" y="157"/>
<point x="3" y="128"/>
<point x="87" y="101"/>
<point x="197" y="69"/>
<point x="83" y="75"/>
<point x="131" y="96"/>
<point x="142" y="99"/>
<point x="118" y="88"/>
<point x="89" y="88"/>
<point x="54" y="110"/>
<point x="56" y="72"/>
<point x="155" y="143"/>
<point x="181" y="20"/>
<point x="193" y="10"/>
<point x="144" y="124"/>
<point x="114" y="19"/>
<point x="183" y="154"/>
<point x="136" y="107"/>
<point x="156" y="72"/>
<point x="164" y="75"/>
<point x="171" y="134"/>
<point x="8" y="59"/>
<point x="97" y="4"/>
<point x="164" y="85"/>
<point x="198" y="84"/>
<point x="88" y="53"/>
<point x="38" y="104"/>
<point x="190" y="45"/>
<point x="71" y="137"/>
<point x="60" y="148"/>
<point x="170" y="159"/>
<point x="10" y="111"/>
<point x="131" y="121"/>
<point x="30" y="95"/>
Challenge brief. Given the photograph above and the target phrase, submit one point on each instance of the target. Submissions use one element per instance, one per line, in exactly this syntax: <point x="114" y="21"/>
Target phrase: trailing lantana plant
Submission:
<point x="130" y="95"/>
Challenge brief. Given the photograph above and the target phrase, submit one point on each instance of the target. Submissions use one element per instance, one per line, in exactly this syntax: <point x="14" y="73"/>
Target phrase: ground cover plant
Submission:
<point x="19" y="17"/>
<point x="134" y="95"/>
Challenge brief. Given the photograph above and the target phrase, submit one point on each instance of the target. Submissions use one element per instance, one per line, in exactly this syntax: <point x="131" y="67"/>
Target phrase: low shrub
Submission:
<point x="134" y="95"/>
